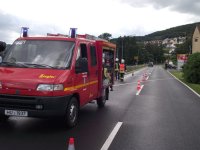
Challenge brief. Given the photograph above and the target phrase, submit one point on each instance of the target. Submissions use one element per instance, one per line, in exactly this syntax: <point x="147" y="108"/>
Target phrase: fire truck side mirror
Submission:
<point x="81" y="65"/>
<point x="2" y="46"/>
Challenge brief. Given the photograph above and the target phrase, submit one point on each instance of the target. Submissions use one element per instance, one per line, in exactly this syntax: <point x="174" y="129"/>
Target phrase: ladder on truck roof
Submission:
<point x="58" y="34"/>
<point x="90" y="37"/>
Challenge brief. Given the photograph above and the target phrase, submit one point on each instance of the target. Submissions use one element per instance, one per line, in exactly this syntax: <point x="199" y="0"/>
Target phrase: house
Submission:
<point x="171" y="43"/>
<point x="196" y="40"/>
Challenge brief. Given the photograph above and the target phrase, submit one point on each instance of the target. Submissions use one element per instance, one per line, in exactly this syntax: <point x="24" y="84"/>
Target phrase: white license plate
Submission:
<point x="16" y="113"/>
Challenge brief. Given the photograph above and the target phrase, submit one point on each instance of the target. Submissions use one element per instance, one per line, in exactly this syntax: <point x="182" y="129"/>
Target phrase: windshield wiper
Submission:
<point x="39" y="65"/>
<point x="13" y="64"/>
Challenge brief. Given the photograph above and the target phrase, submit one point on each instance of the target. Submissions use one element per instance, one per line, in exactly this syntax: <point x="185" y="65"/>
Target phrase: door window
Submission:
<point x="93" y="56"/>
<point x="82" y="54"/>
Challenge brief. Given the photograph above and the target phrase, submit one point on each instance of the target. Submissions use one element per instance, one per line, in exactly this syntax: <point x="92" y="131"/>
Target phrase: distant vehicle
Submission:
<point x="171" y="65"/>
<point x="150" y="64"/>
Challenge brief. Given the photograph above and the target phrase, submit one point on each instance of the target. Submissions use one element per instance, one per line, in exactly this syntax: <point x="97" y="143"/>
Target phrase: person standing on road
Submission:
<point x="117" y="69"/>
<point x="122" y="69"/>
<point x="166" y="64"/>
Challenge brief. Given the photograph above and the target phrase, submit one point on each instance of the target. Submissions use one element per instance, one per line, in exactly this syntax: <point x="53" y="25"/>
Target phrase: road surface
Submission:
<point x="164" y="116"/>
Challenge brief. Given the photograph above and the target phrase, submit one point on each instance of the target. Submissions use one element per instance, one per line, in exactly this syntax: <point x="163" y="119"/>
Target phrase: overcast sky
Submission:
<point x="117" y="17"/>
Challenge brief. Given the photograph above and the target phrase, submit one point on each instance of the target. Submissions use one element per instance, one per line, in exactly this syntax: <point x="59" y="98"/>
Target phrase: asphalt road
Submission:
<point x="164" y="116"/>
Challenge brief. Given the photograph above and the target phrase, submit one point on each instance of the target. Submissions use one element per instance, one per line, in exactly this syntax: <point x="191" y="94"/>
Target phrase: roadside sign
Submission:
<point x="181" y="60"/>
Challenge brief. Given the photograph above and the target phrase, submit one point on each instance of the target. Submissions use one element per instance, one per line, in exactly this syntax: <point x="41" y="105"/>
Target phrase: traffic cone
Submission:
<point x="143" y="77"/>
<point x="71" y="144"/>
<point x="145" y="74"/>
<point x="138" y="85"/>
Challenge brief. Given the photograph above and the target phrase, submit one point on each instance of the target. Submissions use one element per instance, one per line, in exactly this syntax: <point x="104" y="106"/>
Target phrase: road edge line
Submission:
<point x="111" y="137"/>
<point x="184" y="84"/>
<point x="138" y="92"/>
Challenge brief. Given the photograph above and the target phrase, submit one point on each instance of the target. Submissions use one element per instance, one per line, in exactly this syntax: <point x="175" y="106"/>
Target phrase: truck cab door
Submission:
<point x="93" y="71"/>
<point x="81" y="81"/>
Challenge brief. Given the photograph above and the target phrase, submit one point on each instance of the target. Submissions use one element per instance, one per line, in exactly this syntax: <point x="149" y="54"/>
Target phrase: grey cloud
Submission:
<point x="183" y="6"/>
<point x="10" y="26"/>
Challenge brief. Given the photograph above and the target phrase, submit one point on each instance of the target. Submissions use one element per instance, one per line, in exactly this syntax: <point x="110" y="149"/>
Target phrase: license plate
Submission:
<point x="16" y="113"/>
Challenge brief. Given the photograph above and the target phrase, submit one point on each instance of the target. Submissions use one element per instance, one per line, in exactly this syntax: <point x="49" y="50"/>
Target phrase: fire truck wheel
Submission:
<point x="102" y="100"/>
<point x="3" y="118"/>
<point x="71" y="116"/>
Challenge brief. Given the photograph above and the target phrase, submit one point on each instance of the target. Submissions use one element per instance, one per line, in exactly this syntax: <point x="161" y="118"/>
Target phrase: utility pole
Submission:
<point x="117" y="51"/>
<point x="122" y="48"/>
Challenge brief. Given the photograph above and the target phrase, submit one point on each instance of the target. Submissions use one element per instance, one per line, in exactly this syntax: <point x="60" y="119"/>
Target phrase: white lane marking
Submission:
<point x="112" y="135"/>
<point x="115" y="85"/>
<point x="138" y="92"/>
<point x="185" y="84"/>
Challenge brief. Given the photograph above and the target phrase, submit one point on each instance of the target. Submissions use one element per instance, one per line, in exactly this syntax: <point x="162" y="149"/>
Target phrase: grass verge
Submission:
<point x="179" y="75"/>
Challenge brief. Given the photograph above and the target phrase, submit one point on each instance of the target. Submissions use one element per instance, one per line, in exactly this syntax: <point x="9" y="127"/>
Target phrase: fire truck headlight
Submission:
<point x="50" y="87"/>
<point x="58" y="87"/>
<point x="45" y="87"/>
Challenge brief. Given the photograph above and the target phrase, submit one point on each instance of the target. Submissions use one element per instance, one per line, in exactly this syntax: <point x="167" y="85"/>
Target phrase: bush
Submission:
<point x="191" y="69"/>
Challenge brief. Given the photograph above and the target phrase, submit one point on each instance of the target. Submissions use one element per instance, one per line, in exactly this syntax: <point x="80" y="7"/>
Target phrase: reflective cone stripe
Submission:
<point x="138" y="85"/>
<point x="71" y="144"/>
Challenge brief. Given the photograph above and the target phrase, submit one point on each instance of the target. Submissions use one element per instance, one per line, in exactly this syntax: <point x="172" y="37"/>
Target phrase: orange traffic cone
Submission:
<point x="138" y="85"/>
<point x="71" y="144"/>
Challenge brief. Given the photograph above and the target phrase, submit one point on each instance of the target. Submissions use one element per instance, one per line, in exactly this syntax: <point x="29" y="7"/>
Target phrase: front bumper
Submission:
<point x="51" y="106"/>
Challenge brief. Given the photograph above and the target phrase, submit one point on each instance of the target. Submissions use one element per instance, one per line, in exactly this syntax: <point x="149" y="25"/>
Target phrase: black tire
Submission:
<point x="71" y="116"/>
<point x="102" y="100"/>
<point x="3" y="118"/>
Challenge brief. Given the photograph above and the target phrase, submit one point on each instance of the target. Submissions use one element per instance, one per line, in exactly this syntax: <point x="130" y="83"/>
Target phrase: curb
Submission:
<point x="184" y="84"/>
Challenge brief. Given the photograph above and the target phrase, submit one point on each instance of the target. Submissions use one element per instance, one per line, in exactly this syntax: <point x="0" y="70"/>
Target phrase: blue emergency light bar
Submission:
<point x="73" y="32"/>
<point x="24" y="31"/>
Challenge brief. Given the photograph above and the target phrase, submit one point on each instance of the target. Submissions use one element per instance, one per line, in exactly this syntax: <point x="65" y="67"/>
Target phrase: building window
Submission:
<point x="196" y="40"/>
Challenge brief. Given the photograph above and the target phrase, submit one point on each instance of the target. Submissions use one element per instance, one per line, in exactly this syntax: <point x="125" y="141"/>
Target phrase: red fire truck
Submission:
<point x="55" y="75"/>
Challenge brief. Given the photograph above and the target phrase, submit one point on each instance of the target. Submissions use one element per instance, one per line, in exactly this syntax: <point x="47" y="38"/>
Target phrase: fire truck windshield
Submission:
<point x="40" y="54"/>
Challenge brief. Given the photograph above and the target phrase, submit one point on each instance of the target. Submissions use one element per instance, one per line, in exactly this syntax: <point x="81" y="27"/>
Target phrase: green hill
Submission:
<point x="184" y="30"/>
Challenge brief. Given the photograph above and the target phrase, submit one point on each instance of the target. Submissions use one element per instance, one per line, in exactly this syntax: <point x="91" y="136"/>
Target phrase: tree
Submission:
<point x="105" y="36"/>
<point x="191" y="69"/>
<point x="184" y="48"/>
<point x="127" y="48"/>
<point x="155" y="52"/>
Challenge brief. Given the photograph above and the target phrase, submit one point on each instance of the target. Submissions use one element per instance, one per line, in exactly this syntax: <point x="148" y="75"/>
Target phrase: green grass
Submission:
<point x="179" y="75"/>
